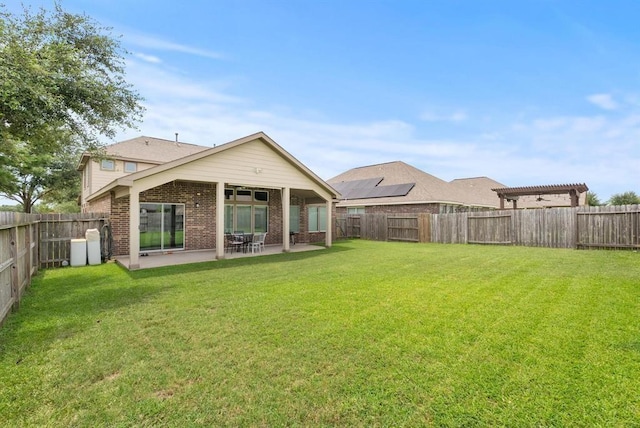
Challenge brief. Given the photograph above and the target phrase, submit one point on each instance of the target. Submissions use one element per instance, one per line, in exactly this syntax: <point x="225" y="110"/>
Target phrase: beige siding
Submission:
<point x="100" y="178"/>
<point x="252" y="164"/>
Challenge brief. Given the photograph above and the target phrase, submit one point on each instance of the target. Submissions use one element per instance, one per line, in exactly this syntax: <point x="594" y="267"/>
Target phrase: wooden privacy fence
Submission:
<point x="384" y="227"/>
<point x="18" y="258"/>
<point x="579" y="227"/>
<point x="31" y="241"/>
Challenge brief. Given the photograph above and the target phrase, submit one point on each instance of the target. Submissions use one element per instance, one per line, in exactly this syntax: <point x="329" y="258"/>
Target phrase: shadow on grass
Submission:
<point x="64" y="302"/>
<point x="233" y="263"/>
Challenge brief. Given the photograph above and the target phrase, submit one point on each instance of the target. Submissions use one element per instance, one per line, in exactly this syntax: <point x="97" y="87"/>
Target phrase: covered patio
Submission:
<point x="189" y="205"/>
<point x="171" y="258"/>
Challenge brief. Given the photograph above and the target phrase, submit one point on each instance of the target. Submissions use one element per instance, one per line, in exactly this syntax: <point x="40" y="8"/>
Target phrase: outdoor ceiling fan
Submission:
<point x="540" y="198"/>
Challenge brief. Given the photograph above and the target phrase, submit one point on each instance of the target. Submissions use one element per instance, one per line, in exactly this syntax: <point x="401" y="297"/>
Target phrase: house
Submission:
<point x="166" y="195"/>
<point x="396" y="187"/>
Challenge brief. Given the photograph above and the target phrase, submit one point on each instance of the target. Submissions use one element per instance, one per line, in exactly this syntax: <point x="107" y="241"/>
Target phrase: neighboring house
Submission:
<point x="396" y="187"/>
<point x="186" y="197"/>
<point x="477" y="190"/>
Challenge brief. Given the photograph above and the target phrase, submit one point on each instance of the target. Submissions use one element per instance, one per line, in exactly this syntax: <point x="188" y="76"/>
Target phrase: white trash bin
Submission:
<point x="78" y="252"/>
<point x="93" y="246"/>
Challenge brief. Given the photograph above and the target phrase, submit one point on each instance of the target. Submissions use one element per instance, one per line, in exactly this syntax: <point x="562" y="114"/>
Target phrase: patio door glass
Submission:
<point x="161" y="227"/>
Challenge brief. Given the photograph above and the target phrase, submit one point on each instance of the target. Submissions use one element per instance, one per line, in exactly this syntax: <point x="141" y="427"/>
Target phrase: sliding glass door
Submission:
<point x="161" y="227"/>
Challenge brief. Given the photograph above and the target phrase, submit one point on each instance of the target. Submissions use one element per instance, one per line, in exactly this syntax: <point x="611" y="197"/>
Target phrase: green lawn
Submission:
<point x="363" y="334"/>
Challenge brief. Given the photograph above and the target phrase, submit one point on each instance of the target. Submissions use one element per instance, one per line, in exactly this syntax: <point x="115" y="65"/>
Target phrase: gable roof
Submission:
<point x="420" y="187"/>
<point x="127" y="181"/>
<point x="147" y="149"/>
<point x="478" y="190"/>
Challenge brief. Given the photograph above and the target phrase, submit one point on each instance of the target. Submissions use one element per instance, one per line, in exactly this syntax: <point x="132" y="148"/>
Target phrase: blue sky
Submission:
<point x="524" y="92"/>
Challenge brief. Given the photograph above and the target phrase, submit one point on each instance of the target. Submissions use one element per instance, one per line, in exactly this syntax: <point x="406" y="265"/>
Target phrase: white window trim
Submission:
<point x="102" y="167"/>
<point x="135" y="166"/>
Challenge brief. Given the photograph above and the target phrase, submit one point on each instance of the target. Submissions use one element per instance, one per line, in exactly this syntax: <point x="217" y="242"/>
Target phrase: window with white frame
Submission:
<point x="317" y="218"/>
<point x="130" y="167"/>
<point x="108" y="164"/>
<point x="355" y="210"/>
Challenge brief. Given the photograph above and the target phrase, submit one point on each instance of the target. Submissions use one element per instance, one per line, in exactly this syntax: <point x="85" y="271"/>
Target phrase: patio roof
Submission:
<point x="512" y="193"/>
<point x="553" y="189"/>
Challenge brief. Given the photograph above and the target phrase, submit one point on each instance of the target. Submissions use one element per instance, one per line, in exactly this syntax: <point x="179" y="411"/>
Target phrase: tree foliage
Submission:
<point x="32" y="175"/>
<point x="593" y="200"/>
<point x="626" y="198"/>
<point x="62" y="87"/>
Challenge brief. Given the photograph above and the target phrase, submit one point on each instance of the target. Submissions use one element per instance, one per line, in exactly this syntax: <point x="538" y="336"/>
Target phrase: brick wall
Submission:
<point x="101" y="205"/>
<point x="200" y="221"/>
<point x="119" y="220"/>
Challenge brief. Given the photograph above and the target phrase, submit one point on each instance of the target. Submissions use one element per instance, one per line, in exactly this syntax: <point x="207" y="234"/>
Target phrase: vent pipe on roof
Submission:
<point x="177" y="143"/>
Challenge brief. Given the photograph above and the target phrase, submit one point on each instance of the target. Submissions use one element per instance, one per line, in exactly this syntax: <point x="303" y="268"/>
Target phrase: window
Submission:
<point x="228" y="194"/>
<point x="108" y="164"/>
<point x="246" y="218"/>
<point x="243" y="218"/>
<point x="355" y="210"/>
<point x="130" y="167"/>
<point x="228" y="219"/>
<point x="161" y="226"/>
<point x="260" y="219"/>
<point x="261" y="196"/>
<point x="294" y="218"/>
<point x="317" y="218"/>
<point x="243" y="195"/>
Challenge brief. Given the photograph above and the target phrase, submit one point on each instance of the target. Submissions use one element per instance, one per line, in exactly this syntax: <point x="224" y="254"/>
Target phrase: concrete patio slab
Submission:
<point x="171" y="258"/>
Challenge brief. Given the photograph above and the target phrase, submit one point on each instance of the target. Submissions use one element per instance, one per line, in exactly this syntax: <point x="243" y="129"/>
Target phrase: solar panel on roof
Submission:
<point x="379" y="191"/>
<point x="346" y="186"/>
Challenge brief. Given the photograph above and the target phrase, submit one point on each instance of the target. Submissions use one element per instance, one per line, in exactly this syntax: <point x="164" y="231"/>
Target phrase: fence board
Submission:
<point x="489" y="228"/>
<point x="403" y="229"/>
<point x="609" y="227"/>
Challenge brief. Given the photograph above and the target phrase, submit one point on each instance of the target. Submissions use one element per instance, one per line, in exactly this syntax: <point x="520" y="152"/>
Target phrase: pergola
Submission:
<point x="513" y="193"/>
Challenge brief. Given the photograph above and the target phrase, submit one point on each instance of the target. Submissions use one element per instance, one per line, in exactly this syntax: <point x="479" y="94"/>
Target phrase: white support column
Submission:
<point x="220" y="220"/>
<point x="286" y="200"/>
<point x="134" y="229"/>
<point x="327" y="236"/>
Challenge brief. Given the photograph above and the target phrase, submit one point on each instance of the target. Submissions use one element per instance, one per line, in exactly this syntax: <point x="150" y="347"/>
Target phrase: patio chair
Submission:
<point x="233" y="242"/>
<point x="258" y="242"/>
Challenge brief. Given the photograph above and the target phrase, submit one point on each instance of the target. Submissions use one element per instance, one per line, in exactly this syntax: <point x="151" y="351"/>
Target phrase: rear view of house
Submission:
<point x="164" y="195"/>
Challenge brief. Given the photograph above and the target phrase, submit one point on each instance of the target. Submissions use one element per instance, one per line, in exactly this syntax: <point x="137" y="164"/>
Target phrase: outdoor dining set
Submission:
<point x="245" y="242"/>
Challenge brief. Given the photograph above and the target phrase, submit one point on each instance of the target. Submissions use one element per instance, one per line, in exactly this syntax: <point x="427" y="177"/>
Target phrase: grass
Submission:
<point x="363" y="334"/>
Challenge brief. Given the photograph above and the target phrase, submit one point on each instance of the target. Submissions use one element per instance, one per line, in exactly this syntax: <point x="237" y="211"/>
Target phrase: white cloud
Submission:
<point x="604" y="101"/>
<point x="598" y="150"/>
<point x="148" y="58"/>
<point x="153" y="42"/>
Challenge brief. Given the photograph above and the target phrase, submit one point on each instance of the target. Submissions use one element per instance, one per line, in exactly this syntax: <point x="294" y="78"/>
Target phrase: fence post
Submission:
<point x="15" y="280"/>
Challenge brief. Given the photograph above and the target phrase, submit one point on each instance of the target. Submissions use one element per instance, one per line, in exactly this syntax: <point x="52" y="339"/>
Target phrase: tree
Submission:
<point x="33" y="175"/>
<point x="626" y="198"/>
<point x="593" y="200"/>
<point x="62" y="87"/>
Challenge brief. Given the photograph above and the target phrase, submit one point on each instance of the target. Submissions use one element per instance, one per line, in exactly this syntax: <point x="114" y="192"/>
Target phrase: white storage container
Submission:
<point x="93" y="246"/>
<point x="78" y="252"/>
